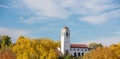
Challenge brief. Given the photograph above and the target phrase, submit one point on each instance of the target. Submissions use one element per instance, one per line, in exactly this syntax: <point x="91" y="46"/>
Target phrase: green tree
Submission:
<point x="5" y="41"/>
<point x="95" y="45"/>
<point x="68" y="56"/>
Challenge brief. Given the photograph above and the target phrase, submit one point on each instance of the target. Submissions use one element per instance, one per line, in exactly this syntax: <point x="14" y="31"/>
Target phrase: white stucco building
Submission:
<point x="68" y="48"/>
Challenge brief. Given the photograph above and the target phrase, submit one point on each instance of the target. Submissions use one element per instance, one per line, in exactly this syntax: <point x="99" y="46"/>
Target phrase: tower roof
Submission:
<point x="66" y="27"/>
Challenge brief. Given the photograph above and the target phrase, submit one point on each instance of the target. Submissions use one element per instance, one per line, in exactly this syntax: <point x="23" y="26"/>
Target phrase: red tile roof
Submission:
<point x="78" y="46"/>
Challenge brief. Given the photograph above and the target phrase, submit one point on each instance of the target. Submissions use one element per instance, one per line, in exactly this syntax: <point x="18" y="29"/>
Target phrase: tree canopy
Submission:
<point x="26" y="48"/>
<point x="5" y="41"/>
<point x="45" y="48"/>
<point x="95" y="45"/>
<point x="112" y="52"/>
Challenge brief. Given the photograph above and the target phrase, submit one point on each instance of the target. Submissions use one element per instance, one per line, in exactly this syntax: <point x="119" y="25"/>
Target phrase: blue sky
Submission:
<point x="88" y="20"/>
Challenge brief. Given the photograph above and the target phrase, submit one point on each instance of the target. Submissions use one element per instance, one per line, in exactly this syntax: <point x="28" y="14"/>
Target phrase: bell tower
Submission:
<point x="65" y="40"/>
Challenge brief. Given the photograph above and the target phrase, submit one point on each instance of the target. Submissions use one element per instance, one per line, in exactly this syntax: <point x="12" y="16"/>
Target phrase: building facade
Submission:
<point x="68" y="48"/>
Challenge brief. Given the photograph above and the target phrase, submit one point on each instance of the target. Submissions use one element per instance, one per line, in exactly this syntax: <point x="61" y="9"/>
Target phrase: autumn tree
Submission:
<point x="7" y="54"/>
<point x="6" y="48"/>
<point x="0" y="41"/>
<point x="115" y="48"/>
<point x="112" y="52"/>
<point x="26" y="48"/>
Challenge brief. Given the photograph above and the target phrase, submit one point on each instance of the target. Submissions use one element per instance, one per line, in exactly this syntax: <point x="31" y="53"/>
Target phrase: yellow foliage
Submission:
<point x="26" y="48"/>
<point x="115" y="48"/>
<point x="112" y="52"/>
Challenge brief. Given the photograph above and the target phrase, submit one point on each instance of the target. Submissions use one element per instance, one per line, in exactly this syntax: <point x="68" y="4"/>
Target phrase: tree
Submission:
<point x="115" y="48"/>
<point x="58" y="43"/>
<point x="5" y="41"/>
<point x="100" y="53"/>
<point x="42" y="48"/>
<point x="68" y="56"/>
<point x="7" y="54"/>
<point x="95" y="45"/>
<point x="112" y="52"/>
<point x="0" y="41"/>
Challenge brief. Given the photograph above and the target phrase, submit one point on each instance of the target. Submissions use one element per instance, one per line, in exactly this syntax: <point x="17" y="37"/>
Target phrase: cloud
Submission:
<point x="4" y="6"/>
<point x="33" y="20"/>
<point x="94" y="19"/>
<point x="93" y="12"/>
<point x="36" y="19"/>
<point x="99" y="19"/>
<point x="46" y="8"/>
<point x="88" y="7"/>
<point x="13" y="33"/>
<point x="100" y="12"/>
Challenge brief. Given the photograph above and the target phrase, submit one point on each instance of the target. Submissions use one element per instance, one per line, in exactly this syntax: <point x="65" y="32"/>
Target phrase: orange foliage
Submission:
<point x="7" y="54"/>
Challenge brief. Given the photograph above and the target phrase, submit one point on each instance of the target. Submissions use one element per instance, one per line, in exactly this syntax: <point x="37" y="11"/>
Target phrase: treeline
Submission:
<point x="44" y="48"/>
<point x="26" y="48"/>
<point x="111" y="52"/>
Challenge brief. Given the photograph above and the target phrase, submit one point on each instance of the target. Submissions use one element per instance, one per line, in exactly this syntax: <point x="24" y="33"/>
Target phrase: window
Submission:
<point x="67" y="34"/>
<point x="79" y="54"/>
<point x="70" y="49"/>
<point x="75" y="54"/>
<point x="85" y="49"/>
<point x="74" y="49"/>
<point x="81" y="49"/>
<point x="78" y="49"/>
<point x="82" y="54"/>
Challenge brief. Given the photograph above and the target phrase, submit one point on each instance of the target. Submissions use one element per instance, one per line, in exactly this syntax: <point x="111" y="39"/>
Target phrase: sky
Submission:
<point x="88" y="20"/>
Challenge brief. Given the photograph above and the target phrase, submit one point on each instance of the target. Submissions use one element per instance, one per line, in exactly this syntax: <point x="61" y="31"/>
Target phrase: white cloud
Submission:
<point x="13" y="33"/>
<point x="94" y="19"/>
<point x="46" y="8"/>
<point x="88" y="7"/>
<point x="36" y="19"/>
<point x="33" y="20"/>
<point x="94" y="11"/>
<point x="99" y="19"/>
<point x="4" y="6"/>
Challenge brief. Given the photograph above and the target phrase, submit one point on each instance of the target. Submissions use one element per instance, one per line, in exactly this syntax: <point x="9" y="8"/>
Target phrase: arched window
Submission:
<point x="75" y="54"/>
<point x="79" y="54"/>
<point x="74" y="49"/>
<point x="82" y="54"/>
<point x="81" y="49"/>
<point x="67" y="34"/>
